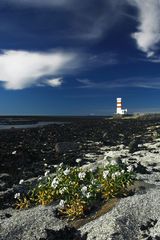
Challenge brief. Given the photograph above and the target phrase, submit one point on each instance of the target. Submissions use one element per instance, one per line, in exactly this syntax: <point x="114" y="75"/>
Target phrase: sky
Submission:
<point x="71" y="57"/>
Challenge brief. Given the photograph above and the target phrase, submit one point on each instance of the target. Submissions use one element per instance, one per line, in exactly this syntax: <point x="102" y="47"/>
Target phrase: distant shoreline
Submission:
<point x="9" y="122"/>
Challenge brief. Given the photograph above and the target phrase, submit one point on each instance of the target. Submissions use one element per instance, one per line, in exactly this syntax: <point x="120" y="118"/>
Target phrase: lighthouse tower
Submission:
<point x="119" y="109"/>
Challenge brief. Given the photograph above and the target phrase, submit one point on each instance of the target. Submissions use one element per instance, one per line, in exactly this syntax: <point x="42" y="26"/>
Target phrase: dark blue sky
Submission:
<point x="71" y="57"/>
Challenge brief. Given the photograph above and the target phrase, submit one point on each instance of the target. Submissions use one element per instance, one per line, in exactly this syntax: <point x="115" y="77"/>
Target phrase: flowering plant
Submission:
<point x="78" y="190"/>
<point x="115" y="180"/>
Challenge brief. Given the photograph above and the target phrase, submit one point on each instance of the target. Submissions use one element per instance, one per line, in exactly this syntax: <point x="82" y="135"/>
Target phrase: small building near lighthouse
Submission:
<point x="119" y="109"/>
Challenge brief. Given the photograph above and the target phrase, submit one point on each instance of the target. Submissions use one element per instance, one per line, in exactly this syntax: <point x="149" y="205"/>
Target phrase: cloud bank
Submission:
<point x="22" y="69"/>
<point x="148" y="30"/>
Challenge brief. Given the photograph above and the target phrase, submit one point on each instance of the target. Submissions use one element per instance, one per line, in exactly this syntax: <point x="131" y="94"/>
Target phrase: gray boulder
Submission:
<point x="132" y="218"/>
<point x="5" y="180"/>
<point x="29" y="224"/>
<point x="63" y="147"/>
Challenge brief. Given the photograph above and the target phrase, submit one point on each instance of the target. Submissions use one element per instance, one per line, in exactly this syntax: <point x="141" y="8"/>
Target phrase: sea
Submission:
<point x="33" y="125"/>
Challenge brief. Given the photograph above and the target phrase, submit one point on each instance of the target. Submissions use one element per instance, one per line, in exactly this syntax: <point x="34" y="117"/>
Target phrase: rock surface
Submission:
<point x="29" y="224"/>
<point x="135" y="217"/>
<point x="127" y="219"/>
<point x="63" y="147"/>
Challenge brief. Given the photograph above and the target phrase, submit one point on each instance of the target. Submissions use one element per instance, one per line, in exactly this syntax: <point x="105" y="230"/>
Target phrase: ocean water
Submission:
<point x="34" y="125"/>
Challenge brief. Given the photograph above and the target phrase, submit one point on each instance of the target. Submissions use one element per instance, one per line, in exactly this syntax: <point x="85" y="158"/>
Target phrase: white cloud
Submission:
<point x="21" y="69"/>
<point x="148" y="34"/>
<point x="56" y="82"/>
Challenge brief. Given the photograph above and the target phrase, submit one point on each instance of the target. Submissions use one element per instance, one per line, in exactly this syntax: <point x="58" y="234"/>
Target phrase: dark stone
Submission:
<point x="143" y="227"/>
<point x="157" y="237"/>
<point x="67" y="233"/>
<point x="141" y="169"/>
<point x="69" y="159"/>
<point x="5" y="176"/>
<point x="151" y="223"/>
<point x="6" y="198"/>
<point x="108" y="140"/>
<point x="133" y="146"/>
<point x="154" y="221"/>
<point x="144" y="235"/>
<point x="7" y="215"/>
<point x="3" y="186"/>
<point x="149" y="238"/>
<point x="116" y="234"/>
<point x="155" y="170"/>
<point x="5" y="181"/>
<point x="63" y="147"/>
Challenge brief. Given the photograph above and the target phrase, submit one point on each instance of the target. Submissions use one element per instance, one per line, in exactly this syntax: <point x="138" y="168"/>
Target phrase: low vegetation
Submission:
<point x="78" y="191"/>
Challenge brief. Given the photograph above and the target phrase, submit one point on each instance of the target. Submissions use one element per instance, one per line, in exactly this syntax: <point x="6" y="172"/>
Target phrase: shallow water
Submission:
<point x="33" y="125"/>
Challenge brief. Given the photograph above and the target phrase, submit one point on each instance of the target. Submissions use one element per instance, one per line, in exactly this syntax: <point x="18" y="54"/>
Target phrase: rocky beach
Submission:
<point x="27" y="154"/>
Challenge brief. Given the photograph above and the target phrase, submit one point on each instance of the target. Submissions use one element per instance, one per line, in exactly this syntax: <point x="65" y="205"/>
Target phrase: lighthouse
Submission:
<point x="119" y="109"/>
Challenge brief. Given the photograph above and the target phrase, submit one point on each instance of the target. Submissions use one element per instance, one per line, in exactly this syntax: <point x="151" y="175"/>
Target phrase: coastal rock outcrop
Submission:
<point x="135" y="217"/>
<point x="127" y="219"/>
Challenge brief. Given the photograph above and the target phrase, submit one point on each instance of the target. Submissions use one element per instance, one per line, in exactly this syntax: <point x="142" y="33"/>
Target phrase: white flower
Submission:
<point x="88" y="195"/>
<point x="113" y="162"/>
<point x="106" y="164"/>
<point x="129" y="169"/>
<point x="54" y="183"/>
<point x="117" y="174"/>
<point x="81" y="175"/>
<point x="45" y="164"/>
<point x="92" y="170"/>
<point x="78" y="160"/>
<point x="17" y="195"/>
<point x="46" y="173"/>
<point x="124" y="161"/>
<point x="93" y="182"/>
<point x="61" y="191"/>
<point x="113" y="175"/>
<point x="64" y="189"/>
<point x="21" y="181"/>
<point x="135" y="165"/>
<point x="14" y="152"/>
<point x="122" y="171"/>
<point x="61" y="203"/>
<point x="105" y="173"/>
<point x="84" y="190"/>
<point x="40" y="178"/>
<point x="105" y="157"/>
<point x="54" y="180"/>
<point x="67" y="171"/>
<point x="55" y="166"/>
